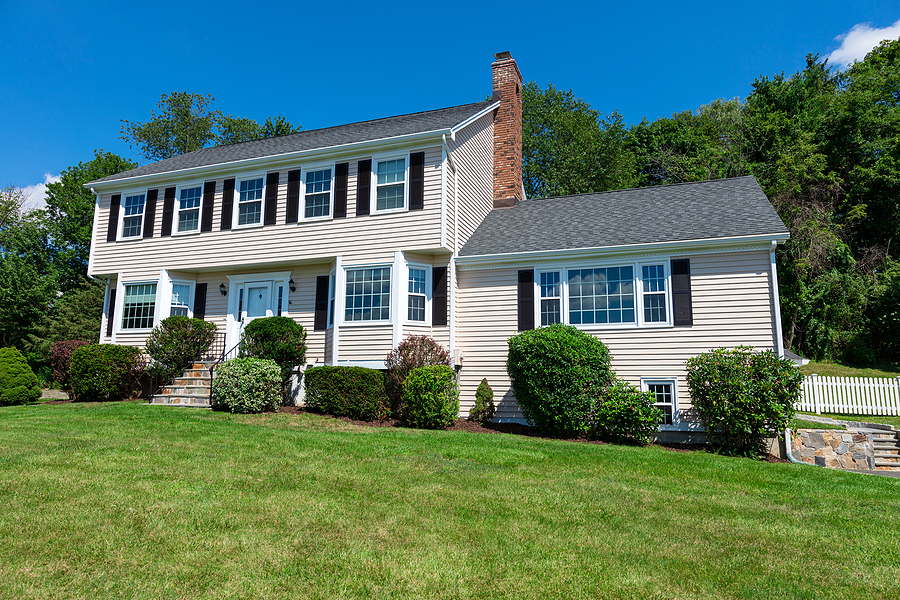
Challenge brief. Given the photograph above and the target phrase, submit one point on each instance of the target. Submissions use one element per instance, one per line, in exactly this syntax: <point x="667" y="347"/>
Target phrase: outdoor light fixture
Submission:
<point x="222" y="289"/>
<point x="292" y="286"/>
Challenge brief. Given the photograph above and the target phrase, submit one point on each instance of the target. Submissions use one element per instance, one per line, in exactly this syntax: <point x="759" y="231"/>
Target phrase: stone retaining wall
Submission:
<point x="834" y="448"/>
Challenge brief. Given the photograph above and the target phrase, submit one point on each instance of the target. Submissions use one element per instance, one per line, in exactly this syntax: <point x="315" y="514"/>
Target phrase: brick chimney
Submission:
<point x="507" y="131"/>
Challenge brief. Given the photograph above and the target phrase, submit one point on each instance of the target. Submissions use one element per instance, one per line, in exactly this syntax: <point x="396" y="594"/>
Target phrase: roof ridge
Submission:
<point x="646" y="187"/>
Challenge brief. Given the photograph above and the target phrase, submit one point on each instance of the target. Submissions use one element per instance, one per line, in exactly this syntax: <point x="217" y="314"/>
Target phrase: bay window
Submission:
<point x="139" y="306"/>
<point x="367" y="294"/>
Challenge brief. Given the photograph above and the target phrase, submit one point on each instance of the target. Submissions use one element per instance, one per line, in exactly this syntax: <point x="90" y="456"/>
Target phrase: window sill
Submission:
<point x="382" y="323"/>
<point x="247" y="226"/>
<point x="313" y="219"/>
<point x="181" y="233"/>
<point x="390" y="211"/>
<point x="136" y="238"/>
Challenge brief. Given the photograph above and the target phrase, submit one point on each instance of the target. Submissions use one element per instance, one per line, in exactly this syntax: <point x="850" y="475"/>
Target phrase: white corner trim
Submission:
<point x="444" y="207"/>
<point x="398" y="273"/>
<point x="339" y="291"/>
<point x="94" y="234"/>
<point x="776" y="303"/>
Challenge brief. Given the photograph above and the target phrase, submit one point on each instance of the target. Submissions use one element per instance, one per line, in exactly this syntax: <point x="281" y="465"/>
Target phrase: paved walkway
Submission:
<point x="54" y="394"/>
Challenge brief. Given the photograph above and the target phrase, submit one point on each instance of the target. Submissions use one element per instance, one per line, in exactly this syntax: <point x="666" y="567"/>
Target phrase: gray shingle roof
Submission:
<point x="686" y="211"/>
<point x="364" y="131"/>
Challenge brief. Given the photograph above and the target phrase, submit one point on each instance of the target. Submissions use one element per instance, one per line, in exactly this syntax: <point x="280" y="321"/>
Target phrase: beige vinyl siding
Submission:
<point x="732" y="305"/>
<point x="364" y="342"/>
<point x="451" y="210"/>
<point x="473" y="154"/>
<point x="359" y="239"/>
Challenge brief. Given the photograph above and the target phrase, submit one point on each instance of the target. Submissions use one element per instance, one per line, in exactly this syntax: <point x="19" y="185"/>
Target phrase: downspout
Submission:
<point x="776" y="303"/>
<point x="452" y="265"/>
<point x="787" y="449"/>
<point x="93" y="232"/>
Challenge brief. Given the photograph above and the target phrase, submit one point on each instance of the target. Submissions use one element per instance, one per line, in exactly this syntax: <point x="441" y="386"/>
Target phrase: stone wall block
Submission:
<point x="842" y="449"/>
<point x="816" y="440"/>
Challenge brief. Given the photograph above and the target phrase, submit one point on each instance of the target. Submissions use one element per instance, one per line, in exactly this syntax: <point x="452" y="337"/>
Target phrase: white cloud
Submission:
<point x="36" y="195"/>
<point x="857" y="42"/>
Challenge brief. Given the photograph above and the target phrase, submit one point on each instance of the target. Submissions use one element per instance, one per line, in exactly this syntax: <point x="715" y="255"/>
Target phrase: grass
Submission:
<point x="895" y="421"/>
<point x="799" y="423"/>
<point x="125" y="500"/>
<point x="830" y="369"/>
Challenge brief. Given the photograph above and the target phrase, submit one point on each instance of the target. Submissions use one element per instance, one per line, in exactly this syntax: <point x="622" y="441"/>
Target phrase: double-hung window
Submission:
<point x="654" y="292"/>
<point x="368" y="294"/>
<point x="133" y="216"/>
<point x="317" y="196"/>
<point x="189" y="209"/>
<point x="416" y="297"/>
<point x="551" y="298"/>
<point x="390" y="184"/>
<point x="181" y="300"/>
<point x="250" y="198"/>
<point x="139" y="307"/>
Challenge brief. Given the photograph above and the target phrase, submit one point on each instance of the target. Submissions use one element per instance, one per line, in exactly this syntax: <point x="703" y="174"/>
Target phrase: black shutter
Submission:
<point x="150" y="213"/>
<point x="417" y="181"/>
<point x="200" y="301"/>
<point x="110" y="311"/>
<point x="293" y="197"/>
<point x="271" y="198"/>
<point x="683" y="313"/>
<point x="209" y="195"/>
<point x="112" y="227"/>
<point x="227" y="204"/>
<point x="168" y="209"/>
<point x="363" y="186"/>
<point x="340" y="189"/>
<point x="321" y="319"/>
<point x="439" y="296"/>
<point x="526" y="299"/>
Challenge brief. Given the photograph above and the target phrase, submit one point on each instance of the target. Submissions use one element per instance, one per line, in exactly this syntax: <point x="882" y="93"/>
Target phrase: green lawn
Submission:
<point x="830" y="369"/>
<point x="895" y="421"/>
<point x="134" y="501"/>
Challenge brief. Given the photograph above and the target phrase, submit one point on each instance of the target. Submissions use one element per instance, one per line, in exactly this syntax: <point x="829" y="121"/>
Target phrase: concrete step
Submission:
<point x="187" y="401"/>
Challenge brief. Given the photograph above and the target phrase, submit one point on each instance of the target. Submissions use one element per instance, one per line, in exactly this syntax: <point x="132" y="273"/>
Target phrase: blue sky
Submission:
<point x="70" y="71"/>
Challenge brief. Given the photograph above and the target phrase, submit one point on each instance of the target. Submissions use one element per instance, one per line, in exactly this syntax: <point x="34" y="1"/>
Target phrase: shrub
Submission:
<point x="623" y="413"/>
<point x="177" y="342"/>
<point x="354" y="392"/>
<point x="248" y="385"/>
<point x="105" y="372"/>
<point x="61" y="358"/>
<point x="743" y="397"/>
<point x="557" y="374"/>
<point x="483" y="411"/>
<point x="18" y="383"/>
<point x="430" y="398"/>
<point x="275" y="338"/>
<point x="413" y="352"/>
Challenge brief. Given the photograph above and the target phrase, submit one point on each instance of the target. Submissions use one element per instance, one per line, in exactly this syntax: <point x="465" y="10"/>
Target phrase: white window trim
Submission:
<point x="177" y="212"/>
<point x="332" y="298"/>
<point x="171" y="289"/>
<point x="121" y="225"/>
<point x="341" y="296"/>
<point x="373" y="200"/>
<point x="305" y="172"/>
<point x="406" y="294"/>
<point x="646" y="382"/>
<point x="235" y="214"/>
<point x="639" y="322"/>
<point x="120" y="308"/>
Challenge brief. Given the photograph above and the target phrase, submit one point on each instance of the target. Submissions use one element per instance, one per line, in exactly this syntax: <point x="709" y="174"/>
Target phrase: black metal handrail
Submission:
<point x="232" y="353"/>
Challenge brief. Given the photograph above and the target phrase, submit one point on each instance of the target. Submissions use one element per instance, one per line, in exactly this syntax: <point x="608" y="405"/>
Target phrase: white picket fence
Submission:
<point x="850" y="395"/>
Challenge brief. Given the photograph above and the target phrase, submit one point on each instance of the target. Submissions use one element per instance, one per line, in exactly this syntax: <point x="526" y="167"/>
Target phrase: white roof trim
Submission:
<point x="474" y="118"/>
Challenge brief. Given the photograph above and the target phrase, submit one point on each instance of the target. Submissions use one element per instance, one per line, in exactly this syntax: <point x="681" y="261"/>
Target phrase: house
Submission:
<point x="418" y="224"/>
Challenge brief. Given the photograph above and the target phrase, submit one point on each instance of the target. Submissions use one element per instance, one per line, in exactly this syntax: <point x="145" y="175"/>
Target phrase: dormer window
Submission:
<point x="133" y="216"/>
<point x="390" y="184"/>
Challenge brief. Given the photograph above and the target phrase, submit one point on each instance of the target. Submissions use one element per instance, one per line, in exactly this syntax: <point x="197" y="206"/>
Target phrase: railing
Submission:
<point x="850" y="395"/>
<point x="232" y="353"/>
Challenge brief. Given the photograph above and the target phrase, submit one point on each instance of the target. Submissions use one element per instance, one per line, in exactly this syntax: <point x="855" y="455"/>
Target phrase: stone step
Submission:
<point x="877" y="454"/>
<point x="193" y="381"/>
<point x="188" y="390"/>
<point x="893" y="466"/>
<point x="187" y="401"/>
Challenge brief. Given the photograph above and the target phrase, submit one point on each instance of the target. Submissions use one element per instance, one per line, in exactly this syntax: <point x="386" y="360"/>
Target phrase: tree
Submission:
<point x="233" y="130"/>
<point x="567" y="148"/>
<point x="185" y="123"/>
<point x="75" y="315"/>
<point x="70" y="214"/>
<point x="11" y="200"/>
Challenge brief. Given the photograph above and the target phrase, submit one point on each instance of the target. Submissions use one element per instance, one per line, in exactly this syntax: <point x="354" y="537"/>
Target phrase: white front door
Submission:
<point x="254" y="300"/>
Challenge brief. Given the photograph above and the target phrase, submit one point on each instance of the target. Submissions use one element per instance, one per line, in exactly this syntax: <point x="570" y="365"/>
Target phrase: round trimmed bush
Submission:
<point x="18" y="383"/>
<point x="623" y="413"/>
<point x="100" y="372"/>
<point x="176" y="342"/>
<point x="413" y="352"/>
<point x="354" y="392"/>
<point x="280" y="339"/>
<point x="430" y="398"/>
<point x="248" y="385"/>
<point x="743" y="397"/>
<point x="557" y="374"/>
